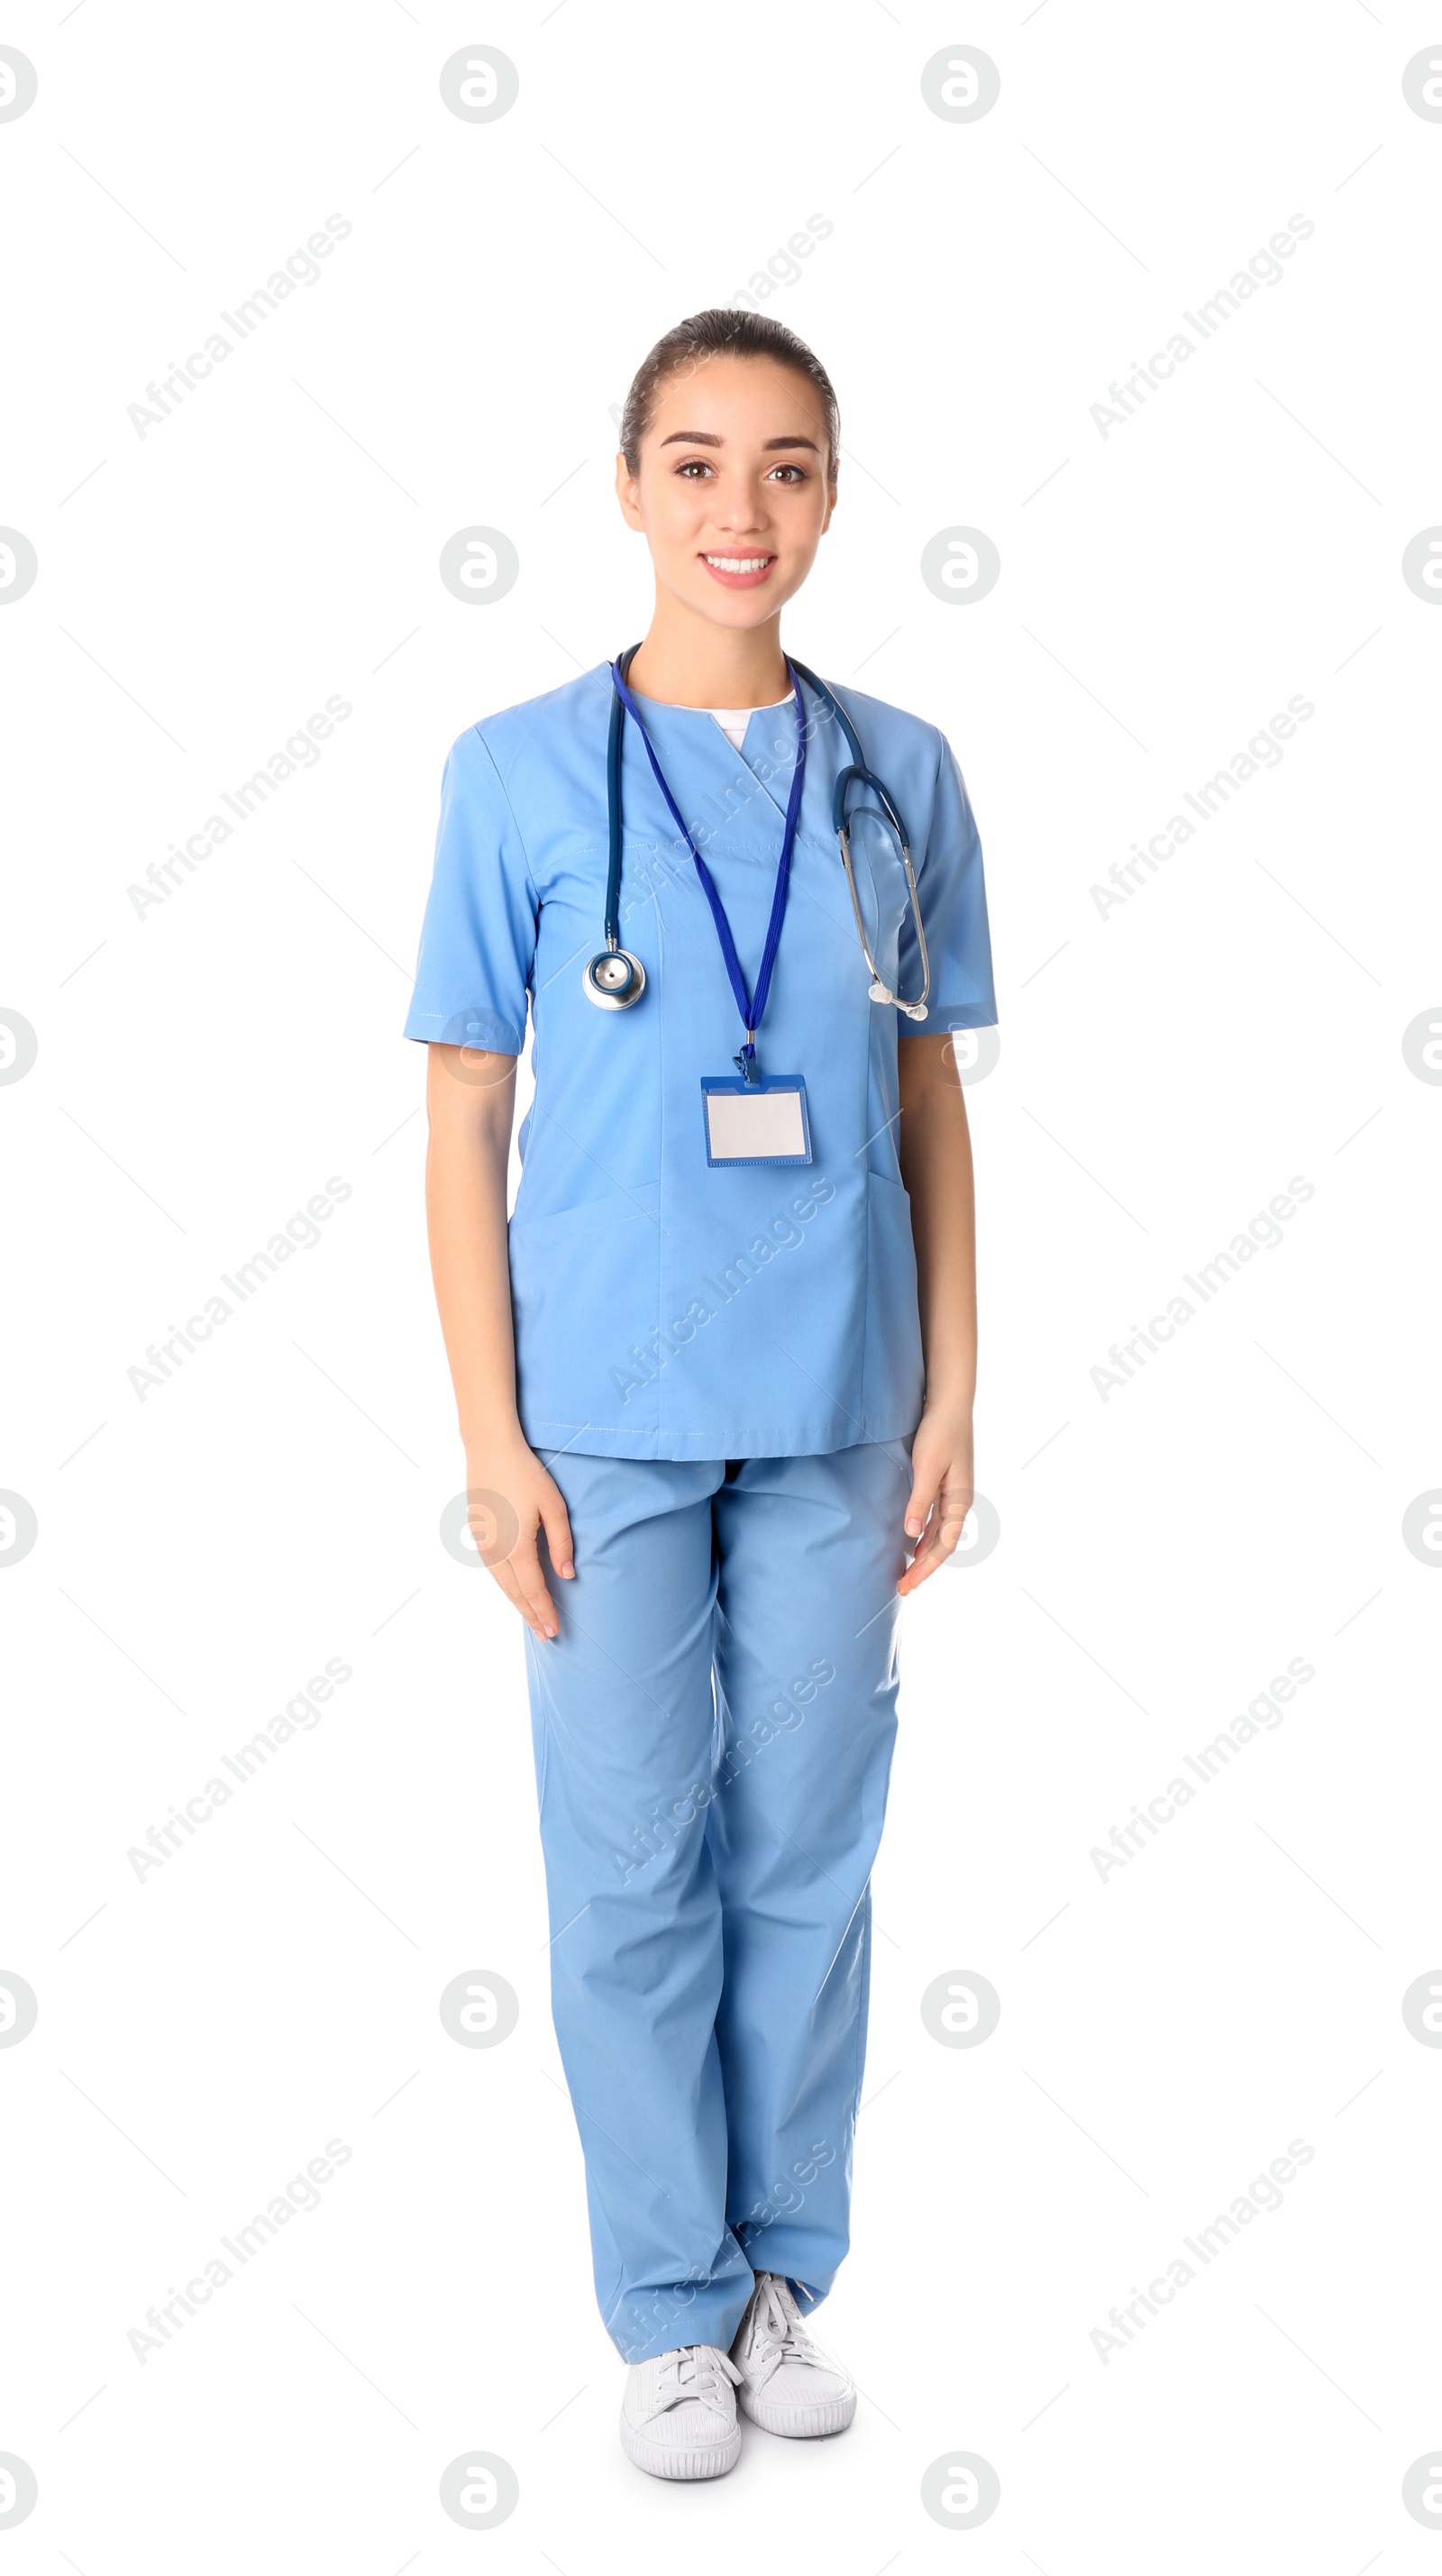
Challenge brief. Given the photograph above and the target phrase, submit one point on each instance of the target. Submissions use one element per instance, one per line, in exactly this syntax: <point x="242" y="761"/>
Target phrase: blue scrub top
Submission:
<point x="665" y="1309"/>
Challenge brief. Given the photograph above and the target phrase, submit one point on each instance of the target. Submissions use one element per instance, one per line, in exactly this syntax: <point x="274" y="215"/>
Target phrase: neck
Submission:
<point x="689" y="661"/>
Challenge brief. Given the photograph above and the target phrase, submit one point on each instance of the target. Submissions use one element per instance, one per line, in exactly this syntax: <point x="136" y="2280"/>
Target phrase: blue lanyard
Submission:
<point x="750" y="1008"/>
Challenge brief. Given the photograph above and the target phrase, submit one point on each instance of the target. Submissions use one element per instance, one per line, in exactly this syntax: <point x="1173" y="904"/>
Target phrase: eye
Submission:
<point x="694" y="467"/>
<point x="792" y="473"/>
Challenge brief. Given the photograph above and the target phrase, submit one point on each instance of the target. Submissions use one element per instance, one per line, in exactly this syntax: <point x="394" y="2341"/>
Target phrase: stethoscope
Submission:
<point x="614" y="979"/>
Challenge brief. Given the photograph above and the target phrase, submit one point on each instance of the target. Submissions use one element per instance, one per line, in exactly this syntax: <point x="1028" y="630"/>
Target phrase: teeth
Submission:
<point x="738" y="563"/>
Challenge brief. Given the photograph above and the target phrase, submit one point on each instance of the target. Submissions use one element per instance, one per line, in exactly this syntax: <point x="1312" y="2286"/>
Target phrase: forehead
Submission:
<point x="737" y="396"/>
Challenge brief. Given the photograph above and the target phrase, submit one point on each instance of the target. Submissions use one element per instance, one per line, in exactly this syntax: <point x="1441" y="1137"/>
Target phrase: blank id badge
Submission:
<point x="755" y="1122"/>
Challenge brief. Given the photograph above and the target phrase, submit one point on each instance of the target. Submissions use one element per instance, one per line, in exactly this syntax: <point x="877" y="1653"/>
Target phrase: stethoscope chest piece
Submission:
<point x="614" y="979"/>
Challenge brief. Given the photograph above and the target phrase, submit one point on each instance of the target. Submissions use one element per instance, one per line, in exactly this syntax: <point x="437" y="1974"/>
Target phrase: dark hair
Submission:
<point x="719" y="333"/>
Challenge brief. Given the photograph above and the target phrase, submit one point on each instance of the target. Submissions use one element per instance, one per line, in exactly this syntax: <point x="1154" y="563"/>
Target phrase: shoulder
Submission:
<point x="890" y="734"/>
<point x="513" y="739"/>
<point x="917" y="765"/>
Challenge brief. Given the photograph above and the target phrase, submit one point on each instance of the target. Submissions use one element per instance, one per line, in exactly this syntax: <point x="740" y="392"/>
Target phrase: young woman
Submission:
<point x="715" y="1390"/>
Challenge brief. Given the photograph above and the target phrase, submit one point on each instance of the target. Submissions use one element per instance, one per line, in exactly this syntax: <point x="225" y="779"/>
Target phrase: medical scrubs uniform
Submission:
<point x="722" y="1369"/>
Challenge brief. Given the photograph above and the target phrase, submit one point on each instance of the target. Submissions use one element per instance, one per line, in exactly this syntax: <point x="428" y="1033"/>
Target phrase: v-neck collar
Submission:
<point x="719" y="748"/>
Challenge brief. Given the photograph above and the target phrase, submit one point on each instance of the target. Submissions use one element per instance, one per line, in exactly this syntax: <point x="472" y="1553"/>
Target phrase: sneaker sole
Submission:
<point x="660" y="2461"/>
<point x="799" y="2423"/>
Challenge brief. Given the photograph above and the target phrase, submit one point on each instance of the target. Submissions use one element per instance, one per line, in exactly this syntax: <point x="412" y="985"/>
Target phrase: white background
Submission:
<point x="1166" y="1069"/>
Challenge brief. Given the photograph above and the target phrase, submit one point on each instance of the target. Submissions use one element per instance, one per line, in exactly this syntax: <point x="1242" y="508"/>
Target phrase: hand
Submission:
<point x="512" y="1475"/>
<point x="941" y="1491"/>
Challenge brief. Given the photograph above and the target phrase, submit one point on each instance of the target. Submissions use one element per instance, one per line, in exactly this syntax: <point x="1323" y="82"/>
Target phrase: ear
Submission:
<point x="830" y="506"/>
<point x="626" y="495"/>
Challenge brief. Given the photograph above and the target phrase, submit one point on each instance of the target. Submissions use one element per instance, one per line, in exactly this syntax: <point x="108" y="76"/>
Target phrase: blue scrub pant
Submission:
<point x="713" y="1734"/>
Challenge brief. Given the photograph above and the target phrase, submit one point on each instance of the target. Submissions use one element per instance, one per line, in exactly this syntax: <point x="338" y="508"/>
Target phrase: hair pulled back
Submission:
<point x="721" y="333"/>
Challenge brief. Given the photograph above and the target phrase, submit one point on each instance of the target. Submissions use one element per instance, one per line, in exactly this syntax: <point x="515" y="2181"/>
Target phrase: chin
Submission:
<point x="738" y="608"/>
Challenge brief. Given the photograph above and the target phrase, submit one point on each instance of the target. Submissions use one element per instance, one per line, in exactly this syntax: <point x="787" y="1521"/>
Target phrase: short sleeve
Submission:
<point x="478" y="938"/>
<point x="951" y="891"/>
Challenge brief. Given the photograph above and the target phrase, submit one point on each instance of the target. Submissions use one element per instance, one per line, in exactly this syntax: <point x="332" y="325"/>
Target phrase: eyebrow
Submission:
<point x="707" y="438"/>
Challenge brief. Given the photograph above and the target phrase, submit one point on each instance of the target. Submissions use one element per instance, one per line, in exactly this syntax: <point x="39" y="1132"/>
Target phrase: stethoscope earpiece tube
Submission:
<point x="891" y="816"/>
<point x="829" y="700"/>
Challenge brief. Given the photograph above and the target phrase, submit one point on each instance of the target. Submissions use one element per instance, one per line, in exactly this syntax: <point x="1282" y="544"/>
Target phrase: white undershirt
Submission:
<point x="734" y="720"/>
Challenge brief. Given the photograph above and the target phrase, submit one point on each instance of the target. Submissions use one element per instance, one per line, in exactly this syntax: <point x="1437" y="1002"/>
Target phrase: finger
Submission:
<point x="505" y="1578"/>
<point x="951" y="1515"/>
<point x="936" y="1545"/>
<point x="919" y="1566"/>
<point x="525" y="1564"/>
<point x="923" y="1565"/>
<point x="942" y="1537"/>
<point x="558" y="1535"/>
<point x="922" y="1496"/>
<point x="920" y="1571"/>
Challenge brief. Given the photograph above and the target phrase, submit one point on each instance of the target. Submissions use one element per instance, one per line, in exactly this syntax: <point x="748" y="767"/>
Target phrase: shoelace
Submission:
<point x="696" y="2370"/>
<point x="777" y="2333"/>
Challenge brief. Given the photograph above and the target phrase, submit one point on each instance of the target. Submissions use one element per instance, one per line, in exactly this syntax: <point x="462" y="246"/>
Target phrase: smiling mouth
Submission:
<point x="739" y="571"/>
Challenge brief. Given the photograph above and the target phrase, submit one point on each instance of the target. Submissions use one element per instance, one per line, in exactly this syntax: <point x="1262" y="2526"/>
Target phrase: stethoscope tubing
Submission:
<point x="858" y="773"/>
<point x="613" y="802"/>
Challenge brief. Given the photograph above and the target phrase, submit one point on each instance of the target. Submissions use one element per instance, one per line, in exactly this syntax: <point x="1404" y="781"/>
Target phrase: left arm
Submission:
<point x="935" y="1155"/>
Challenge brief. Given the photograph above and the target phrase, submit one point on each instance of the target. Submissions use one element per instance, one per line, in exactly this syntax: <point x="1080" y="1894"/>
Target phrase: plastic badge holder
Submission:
<point x="755" y="1122"/>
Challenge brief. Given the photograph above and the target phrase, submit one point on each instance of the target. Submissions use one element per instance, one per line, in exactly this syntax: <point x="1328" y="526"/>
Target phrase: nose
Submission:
<point x="739" y="508"/>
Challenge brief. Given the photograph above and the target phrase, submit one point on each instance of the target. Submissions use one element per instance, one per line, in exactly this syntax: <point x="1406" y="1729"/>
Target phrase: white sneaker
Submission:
<point x="788" y="2385"/>
<point x="678" y="2416"/>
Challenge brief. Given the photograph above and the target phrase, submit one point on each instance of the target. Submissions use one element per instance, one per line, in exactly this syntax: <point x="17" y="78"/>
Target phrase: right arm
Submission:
<point x="470" y="1102"/>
